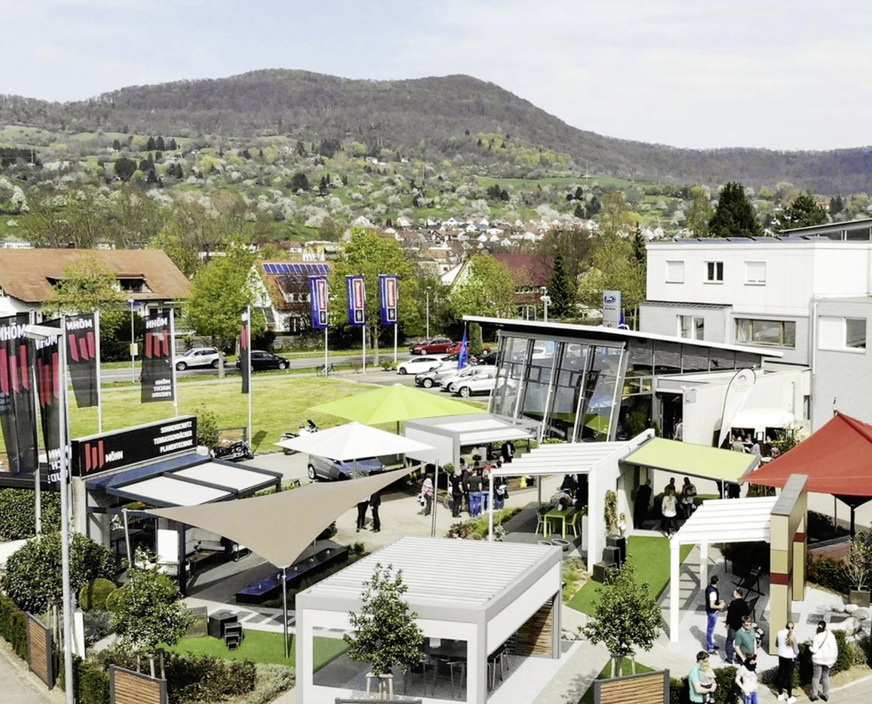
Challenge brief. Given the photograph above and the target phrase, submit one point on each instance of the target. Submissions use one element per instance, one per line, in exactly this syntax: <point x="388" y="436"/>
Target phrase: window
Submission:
<point x="755" y="273"/>
<point x="674" y="272"/>
<point x="776" y="333"/>
<point x="714" y="272"/>
<point x="837" y="333"/>
<point x="691" y="327"/>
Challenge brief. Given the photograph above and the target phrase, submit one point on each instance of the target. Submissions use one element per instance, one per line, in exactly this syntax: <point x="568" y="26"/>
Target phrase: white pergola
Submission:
<point x="600" y="461"/>
<point x="716" y="521"/>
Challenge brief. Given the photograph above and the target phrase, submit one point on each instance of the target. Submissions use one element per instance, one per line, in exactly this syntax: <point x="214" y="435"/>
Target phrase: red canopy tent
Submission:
<point x="837" y="460"/>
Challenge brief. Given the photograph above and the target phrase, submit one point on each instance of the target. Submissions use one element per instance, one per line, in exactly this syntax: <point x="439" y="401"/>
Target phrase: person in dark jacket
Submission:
<point x="374" y="503"/>
<point x="642" y="504"/>
<point x="456" y="482"/>
<point x="362" y="505"/>
<point x="736" y="611"/>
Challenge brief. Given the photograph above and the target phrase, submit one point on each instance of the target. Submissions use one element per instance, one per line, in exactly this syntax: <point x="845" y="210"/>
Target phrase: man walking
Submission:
<point x="713" y="606"/>
<point x="824" y="651"/>
<point x="374" y="503"/>
<point x="736" y="611"/>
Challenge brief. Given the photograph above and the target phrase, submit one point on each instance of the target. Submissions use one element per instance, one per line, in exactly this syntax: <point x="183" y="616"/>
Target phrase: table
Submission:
<point x="561" y="515"/>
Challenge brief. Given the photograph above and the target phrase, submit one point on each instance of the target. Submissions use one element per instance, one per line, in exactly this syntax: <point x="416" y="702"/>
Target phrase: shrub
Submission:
<point x="13" y="626"/>
<point x="90" y="683"/>
<point x="33" y="573"/>
<point x="828" y="572"/>
<point x="18" y="513"/>
<point x="98" y="625"/>
<point x="94" y="594"/>
<point x="272" y="680"/>
<point x="727" y="692"/>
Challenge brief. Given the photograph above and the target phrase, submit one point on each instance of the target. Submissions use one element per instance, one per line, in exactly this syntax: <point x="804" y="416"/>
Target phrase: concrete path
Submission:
<point x="19" y="685"/>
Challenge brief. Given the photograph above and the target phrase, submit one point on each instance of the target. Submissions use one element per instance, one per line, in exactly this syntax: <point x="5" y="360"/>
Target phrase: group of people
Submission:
<point x="675" y="505"/>
<point x="741" y="648"/>
<point x="370" y="502"/>
<point x="468" y="487"/>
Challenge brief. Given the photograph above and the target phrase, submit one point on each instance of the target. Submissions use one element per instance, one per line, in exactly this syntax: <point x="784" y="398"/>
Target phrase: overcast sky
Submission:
<point x="701" y="73"/>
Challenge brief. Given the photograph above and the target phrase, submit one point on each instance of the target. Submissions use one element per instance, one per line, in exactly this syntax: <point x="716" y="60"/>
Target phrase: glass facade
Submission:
<point x="586" y="390"/>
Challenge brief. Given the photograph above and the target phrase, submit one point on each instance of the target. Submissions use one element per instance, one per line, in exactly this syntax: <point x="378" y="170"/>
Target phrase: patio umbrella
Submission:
<point x="395" y="403"/>
<point x="352" y="441"/>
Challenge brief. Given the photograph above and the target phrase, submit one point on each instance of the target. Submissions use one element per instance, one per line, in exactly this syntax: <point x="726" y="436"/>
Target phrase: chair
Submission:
<point x="421" y="670"/>
<point x="540" y="518"/>
<point x="574" y="524"/>
<point x="751" y="581"/>
<point x="458" y="666"/>
<point x="752" y="608"/>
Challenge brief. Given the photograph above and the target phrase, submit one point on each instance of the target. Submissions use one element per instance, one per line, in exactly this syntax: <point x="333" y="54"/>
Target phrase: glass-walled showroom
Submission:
<point x="588" y="390"/>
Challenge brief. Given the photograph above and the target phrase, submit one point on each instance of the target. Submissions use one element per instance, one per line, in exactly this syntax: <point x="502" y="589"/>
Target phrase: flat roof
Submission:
<point x="476" y="428"/>
<point x="443" y="572"/>
<point x="728" y="521"/>
<point x="598" y="332"/>
<point x="696" y="460"/>
<point x="562" y="458"/>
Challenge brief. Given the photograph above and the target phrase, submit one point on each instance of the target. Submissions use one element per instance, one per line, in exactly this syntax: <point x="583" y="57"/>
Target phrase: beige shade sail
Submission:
<point x="279" y="527"/>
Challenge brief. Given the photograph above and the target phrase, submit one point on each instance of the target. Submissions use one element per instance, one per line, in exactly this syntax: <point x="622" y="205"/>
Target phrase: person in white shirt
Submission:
<point x="824" y="652"/>
<point x="788" y="649"/>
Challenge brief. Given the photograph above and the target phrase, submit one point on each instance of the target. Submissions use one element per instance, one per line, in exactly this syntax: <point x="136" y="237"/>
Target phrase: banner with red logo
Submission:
<point x="356" y="288"/>
<point x="120" y="448"/>
<point x="83" y="335"/>
<point x="48" y="392"/>
<point x="318" y="297"/>
<point x="389" y="289"/>
<point x="245" y="351"/>
<point x="17" y="409"/>
<point x="157" y="358"/>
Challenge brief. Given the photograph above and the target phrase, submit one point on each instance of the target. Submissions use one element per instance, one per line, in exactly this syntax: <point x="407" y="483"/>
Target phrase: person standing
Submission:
<point x="508" y="451"/>
<point x="427" y="493"/>
<point x="679" y="431"/>
<point x="701" y="679"/>
<point x="669" y="510"/>
<point x="374" y="503"/>
<point x="456" y="493"/>
<point x="688" y="498"/>
<point x="788" y="649"/>
<point x="736" y="611"/>
<point x="746" y="678"/>
<point x="642" y="503"/>
<point x="501" y="492"/>
<point x="738" y="444"/>
<point x="713" y="606"/>
<point x="824" y="652"/>
<point x="745" y="644"/>
<point x="361" y="513"/>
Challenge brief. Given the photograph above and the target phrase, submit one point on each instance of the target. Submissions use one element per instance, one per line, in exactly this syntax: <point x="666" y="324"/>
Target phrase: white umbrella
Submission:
<point x="353" y="441"/>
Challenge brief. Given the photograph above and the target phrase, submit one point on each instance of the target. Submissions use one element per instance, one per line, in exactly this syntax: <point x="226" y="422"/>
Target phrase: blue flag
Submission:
<point x="463" y="356"/>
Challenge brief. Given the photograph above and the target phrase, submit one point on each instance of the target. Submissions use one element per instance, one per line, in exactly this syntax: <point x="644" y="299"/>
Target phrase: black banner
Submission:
<point x="245" y="351"/>
<point x="82" y="335"/>
<point x="157" y="359"/>
<point x="17" y="414"/>
<point x="101" y="453"/>
<point x="49" y="389"/>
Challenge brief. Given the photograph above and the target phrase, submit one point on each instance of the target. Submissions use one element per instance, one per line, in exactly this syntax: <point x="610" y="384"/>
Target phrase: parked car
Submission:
<point x="261" y="360"/>
<point x="198" y="357"/>
<point x="452" y="383"/>
<point x="421" y="364"/>
<point x="455" y="348"/>
<point x="477" y="385"/>
<point x="433" y="377"/>
<point x="435" y="345"/>
<point x="325" y="468"/>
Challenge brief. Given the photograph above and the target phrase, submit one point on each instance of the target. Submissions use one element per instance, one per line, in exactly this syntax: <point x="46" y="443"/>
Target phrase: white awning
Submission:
<point x="237" y="478"/>
<point x="761" y="418"/>
<point x="563" y="458"/>
<point x="353" y="441"/>
<point x="166" y="490"/>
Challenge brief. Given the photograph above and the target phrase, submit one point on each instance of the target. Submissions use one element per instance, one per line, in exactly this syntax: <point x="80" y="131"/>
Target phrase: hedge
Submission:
<point x="17" y="513"/>
<point x="727" y="692"/>
<point x="828" y="572"/>
<point x="13" y="626"/>
<point x="91" y="684"/>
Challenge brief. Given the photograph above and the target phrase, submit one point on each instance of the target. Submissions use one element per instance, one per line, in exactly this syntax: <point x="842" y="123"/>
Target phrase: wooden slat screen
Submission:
<point x="40" y="657"/>
<point x="650" y="688"/>
<point x="536" y="636"/>
<point x="127" y="687"/>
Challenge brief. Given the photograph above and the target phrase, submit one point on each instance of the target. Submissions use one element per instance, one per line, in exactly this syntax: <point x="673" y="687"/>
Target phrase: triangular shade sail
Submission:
<point x="390" y="404"/>
<point x="353" y="441"/>
<point x="279" y="527"/>
<point x="837" y="460"/>
<point x="695" y="460"/>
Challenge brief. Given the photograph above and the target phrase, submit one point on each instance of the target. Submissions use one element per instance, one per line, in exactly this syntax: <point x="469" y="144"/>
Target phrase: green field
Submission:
<point x="261" y="647"/>
<point x="650" y="556"/>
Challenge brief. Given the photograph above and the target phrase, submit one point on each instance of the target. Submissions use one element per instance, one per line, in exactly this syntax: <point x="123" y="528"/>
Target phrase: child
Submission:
<point x="746" y="678"/>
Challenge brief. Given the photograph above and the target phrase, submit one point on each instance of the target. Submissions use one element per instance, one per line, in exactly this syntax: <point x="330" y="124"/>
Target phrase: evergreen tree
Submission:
<point x="837" y="205"/>
<point x="561" y="289"/>
<point x="116" y="145"/>
<point x="802" y="212"/>
<point x="299" y="182"/>
<point x="159" y="144"/>
<point x="579" y="212"/>
<point x="640" y="254"/>
<point x="734" y="216"/>
<point x="149" y="145"/>
<point x="173" y="144"/>
<point x="594" y="206"/>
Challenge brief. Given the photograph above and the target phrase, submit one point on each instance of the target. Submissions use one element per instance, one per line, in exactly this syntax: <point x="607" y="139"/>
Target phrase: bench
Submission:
<point x="270" y="587"/>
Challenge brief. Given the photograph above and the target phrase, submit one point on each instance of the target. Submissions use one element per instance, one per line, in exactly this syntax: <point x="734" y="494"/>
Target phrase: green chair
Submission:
<point x="573" y="523"/>
<point x="540" y="518"/>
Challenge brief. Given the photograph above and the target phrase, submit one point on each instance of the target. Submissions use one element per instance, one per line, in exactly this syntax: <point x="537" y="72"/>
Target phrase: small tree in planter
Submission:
<point x="859" y="567"/>
<point x="626" y="618"/>
<point x="386" y="635"/>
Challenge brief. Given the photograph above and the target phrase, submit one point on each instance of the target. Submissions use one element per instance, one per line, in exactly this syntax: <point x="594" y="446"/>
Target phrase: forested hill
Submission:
<point x="429" y="119"/>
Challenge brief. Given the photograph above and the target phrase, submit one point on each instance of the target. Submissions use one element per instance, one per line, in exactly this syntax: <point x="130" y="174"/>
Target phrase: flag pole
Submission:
<point x="250" y="375"/>
<point x="173" y="360"/>
<point x="99" y="390"/>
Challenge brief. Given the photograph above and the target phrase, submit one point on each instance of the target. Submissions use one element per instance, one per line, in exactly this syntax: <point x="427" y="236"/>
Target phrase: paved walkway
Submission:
<point x="20" y="686"/>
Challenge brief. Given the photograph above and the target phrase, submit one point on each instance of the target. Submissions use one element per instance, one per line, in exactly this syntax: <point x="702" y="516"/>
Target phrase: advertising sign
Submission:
<point x="389" y="289"/>
<point x="157" y="359"/>
<point x="356" y="300"/>
<point x="82" y="335"/>
<point x="101" y="453"/>
<point x="611" y="309"/>
<point x="17" y="409"/>
<point x="318" y="297"/>
<point x="245" y="351"/>
<point x="48" y="391"/>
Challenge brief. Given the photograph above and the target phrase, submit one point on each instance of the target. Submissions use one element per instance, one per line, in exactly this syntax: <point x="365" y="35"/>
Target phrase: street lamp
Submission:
<point x="44" y="332"/>
<point x="428" y="311"/>
<point x="546" y="299"/>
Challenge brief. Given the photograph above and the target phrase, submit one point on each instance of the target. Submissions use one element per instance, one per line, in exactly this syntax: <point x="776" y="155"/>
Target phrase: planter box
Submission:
<point x="860" y="597"/>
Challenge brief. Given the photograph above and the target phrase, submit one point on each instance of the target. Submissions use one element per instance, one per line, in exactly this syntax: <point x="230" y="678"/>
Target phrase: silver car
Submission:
<point x="198" y="357"/>
<point x="326" y="468"/>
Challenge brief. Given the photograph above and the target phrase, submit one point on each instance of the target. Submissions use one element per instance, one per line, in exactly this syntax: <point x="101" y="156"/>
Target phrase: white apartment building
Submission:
<point x="807" y="294"/>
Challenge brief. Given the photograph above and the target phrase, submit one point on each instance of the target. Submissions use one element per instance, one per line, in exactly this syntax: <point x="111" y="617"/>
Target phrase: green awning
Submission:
<point x="695" y="460"/>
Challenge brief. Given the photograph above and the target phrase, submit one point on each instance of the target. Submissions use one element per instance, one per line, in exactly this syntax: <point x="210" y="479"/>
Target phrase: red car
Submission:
<point x="438" y="345"/>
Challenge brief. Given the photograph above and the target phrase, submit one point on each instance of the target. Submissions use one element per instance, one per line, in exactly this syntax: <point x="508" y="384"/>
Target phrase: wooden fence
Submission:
<point x="128" y="687"/>
<point x="650" y="688"/>
<point x="40" y="650"/>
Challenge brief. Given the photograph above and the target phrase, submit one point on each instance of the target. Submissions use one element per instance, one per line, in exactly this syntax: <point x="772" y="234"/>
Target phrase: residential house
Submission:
<point x="282" y="293"/>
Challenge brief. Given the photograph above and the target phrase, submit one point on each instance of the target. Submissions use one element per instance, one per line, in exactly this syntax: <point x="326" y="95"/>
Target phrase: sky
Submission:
<point x="698" y="74"/>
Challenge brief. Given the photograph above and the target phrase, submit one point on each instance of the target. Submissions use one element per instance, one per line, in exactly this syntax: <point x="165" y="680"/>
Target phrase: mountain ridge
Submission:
<point x="435" y="111"/>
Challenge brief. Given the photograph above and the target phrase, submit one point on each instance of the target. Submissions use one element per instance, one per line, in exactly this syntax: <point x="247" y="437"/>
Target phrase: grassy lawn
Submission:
<point x="262" y="647"/>
<point x="626" y="669"/>
<point x="650" y="556"/>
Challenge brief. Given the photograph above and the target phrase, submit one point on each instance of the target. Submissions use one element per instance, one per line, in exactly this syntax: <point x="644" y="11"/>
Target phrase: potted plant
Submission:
<point x="611" y="514"/>
<point x="859" y="568"/>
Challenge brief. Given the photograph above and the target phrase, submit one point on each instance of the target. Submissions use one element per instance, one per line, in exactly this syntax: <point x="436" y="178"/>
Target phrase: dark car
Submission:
<point x="261" y="360"/>
<point x="436" y="345"/>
